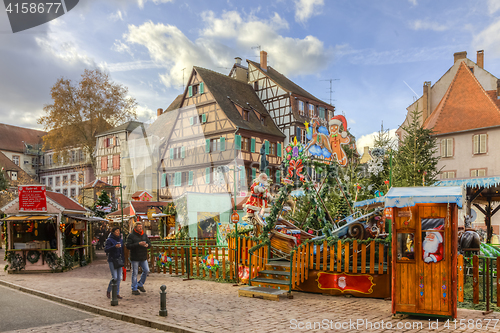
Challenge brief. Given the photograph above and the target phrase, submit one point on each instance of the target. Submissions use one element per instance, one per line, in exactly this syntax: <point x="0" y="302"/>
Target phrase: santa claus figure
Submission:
<point x="433" y="246"/>
<point x="259" y="198"/>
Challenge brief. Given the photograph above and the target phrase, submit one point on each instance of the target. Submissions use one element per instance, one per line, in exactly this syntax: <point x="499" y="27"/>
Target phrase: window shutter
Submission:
<point x="190" y="90"/>
<point x="443" y="147"/>
<point x="482" y="143"/>
<point x="267" y="147"/>
<point x="242" y="177"/>
<point x="254" y="171"/>
<point x="202" y="87"/>
<point x="190" y="180"/>
<point x="171" y="153"/>
<point x="237" y="141"/>
<point x="267" y="172"/>
<point x="177" y="180"/>
<point x="449" y="148"/>
<point x="183" y="152"/>
<point x="191" y="121"/>
<point x="252" y="145"/>
<point x="297" y="133"/>
<point x="279" y="150"/>
<point x="278" y="176"/>
<point x="207" y="175"/>
<point x="204" y="118"/>
<point x="207" y="145"/>
<point x="222" y="143"/>
<point x="476" y="144"/>
<point x="164" y="180"/>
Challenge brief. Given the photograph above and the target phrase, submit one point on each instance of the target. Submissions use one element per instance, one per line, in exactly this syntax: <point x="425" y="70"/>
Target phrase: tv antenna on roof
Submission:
<point x="183" y="86"/>
<point x="331" y="90"/>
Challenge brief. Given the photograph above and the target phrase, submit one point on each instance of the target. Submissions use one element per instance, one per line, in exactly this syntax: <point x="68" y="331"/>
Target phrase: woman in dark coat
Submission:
<point x="114" y="250"/>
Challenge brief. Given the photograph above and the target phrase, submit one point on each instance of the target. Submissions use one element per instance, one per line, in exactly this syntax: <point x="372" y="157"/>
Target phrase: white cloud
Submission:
<point x="493" y="6"/>
<point x="489" y="39"/>
<point x="141" y="3"/>
<point x="117" y="16"/>
<point x="413" y="2"/>
<point x="305" y="9"/>
<point x="130" y="66"/>
<point x="368" y="140"/>
<point x="169" y="47"/>
<point x="427" y="25"/>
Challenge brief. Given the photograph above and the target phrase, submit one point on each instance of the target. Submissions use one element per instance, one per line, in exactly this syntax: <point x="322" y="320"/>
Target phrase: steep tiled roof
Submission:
<point x="64" y="201"/>
<point x="465" y="106"/>
<point x="285" y="82"/>
<point x="228" y="91"/>
<point x="128" y="127"/>
<point x="126" y="212"/>
<point x="175" y="104"/>
<point x="12" y="137"/>
<point x="7" y="164"/>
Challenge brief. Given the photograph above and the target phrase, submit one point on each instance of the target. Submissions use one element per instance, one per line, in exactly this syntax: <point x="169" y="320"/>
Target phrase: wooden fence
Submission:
<point x="476" y="274"/>
<point x="349" y="257"/>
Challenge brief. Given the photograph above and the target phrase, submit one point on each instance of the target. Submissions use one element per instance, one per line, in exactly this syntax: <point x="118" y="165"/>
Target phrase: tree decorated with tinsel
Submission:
<point x="102" y="201"/>
<point x="416" y="161"/>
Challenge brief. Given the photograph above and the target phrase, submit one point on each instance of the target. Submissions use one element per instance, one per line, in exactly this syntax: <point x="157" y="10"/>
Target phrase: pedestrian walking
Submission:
<point x="114" y="250"/>
<point x="138" y="243"/>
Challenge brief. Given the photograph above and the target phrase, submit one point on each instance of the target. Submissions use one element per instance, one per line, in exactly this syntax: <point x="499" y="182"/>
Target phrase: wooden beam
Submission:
<point x="497" y="208"/>
<point x="480" y="208"/>
<point x="474" y="195"/>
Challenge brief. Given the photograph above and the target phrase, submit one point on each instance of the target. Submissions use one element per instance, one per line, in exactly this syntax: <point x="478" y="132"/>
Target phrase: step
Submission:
<point x="271" y="281"/>
<point x="272" y="272"/>
<point x="260" y="292"/>
<point x="281" y="263"/>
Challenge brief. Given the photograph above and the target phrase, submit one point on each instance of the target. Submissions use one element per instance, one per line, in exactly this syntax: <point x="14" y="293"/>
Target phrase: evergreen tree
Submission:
<point x="4" y="183"/>
<point x="416" y="161"/>
<point x="103" y="201"/>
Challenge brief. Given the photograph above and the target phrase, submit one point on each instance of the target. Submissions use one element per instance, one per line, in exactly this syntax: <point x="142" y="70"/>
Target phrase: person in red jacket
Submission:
<point x="433" y="247"/>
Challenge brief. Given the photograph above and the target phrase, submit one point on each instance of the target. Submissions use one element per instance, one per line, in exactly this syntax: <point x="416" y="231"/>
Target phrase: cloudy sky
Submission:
<point x="377" y="53"/>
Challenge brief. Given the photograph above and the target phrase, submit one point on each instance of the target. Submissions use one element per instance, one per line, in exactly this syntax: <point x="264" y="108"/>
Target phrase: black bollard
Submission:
<point x="114" y="293"/>
<point x="163" y="301"/>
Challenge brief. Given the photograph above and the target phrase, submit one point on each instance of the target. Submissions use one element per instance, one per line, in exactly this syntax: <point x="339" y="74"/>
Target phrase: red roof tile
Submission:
<point x="465" y="106"/>
<point x="141" y="207"/>
<point x="64" y="201"/>
<point x="126" y="211"/>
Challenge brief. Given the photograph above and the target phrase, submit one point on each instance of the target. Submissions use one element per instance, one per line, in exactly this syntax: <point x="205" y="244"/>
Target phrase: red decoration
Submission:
<point x="32" y="198"/>
<point x="298" y="167"/>
<point x="362" y="283"/>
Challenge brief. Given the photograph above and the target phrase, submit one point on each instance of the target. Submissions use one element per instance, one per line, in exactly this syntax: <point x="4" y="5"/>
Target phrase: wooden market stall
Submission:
<point x="424" y="249"/>
<point x="36" y="222"/>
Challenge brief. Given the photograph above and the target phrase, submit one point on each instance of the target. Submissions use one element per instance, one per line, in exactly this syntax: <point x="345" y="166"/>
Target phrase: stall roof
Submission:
<point x="409" y="196"/>
<point x="370" y="203"/>
<point x="85" y="218"/>
<point x="471" y="182"/>
<point x="28" y="218"/>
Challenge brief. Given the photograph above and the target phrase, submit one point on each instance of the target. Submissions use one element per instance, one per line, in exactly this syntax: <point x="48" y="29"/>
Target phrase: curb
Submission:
<point x="102" y="311"/>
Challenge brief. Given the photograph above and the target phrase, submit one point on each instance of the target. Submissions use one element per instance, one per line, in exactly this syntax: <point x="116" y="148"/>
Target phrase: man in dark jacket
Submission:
<point x="138" y="243"/>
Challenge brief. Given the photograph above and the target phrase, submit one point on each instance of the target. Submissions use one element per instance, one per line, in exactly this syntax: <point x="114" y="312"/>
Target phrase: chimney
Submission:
<point x="480" y="58"/>
<point x="426" y="100"/>
<point x="263" y="60"/>
<point x="237" y="61"/>
<point x="159" y="112"/>
<point x="239" y="72"/>
<point x="459" y="55"/>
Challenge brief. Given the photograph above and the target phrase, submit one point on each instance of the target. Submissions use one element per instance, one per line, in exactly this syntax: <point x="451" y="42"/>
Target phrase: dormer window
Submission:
<point x="246" y="115"/>
<point x="262" y="120"/>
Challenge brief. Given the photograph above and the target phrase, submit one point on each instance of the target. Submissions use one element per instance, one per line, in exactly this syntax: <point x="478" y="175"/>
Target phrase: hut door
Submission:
<point x="433" y="261"/>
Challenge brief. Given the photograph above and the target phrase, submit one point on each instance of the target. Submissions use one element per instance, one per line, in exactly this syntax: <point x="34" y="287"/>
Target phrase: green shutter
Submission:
<point x="191" y="120"/>
<point x="171" y="153"/>
<point x="267" y="172"/>
<point x="207" y="175"/>
<point x="190" y="180"/>
<point x="207" y="145"/>
<point x="278" y="176"/>
<point x="183" y="152"/>
<point x="254" y="171"/>
<point x="204" y="118"/>
<point x="267" y="147"/>
<point x="202" y="87"/>
<point x="190" y="89"/>
<point x="164" y="180"/>
<point x="242" y="177"/>
<point x="322" y="113"/>
<point x="178" y="178"/>
<point x="252" y="145"/>
<point x="222" y="143"/>
<point x="279" y="149"/>
<point x="237" y="141"/>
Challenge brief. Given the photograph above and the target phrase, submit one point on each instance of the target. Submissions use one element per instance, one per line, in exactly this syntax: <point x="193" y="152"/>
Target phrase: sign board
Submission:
<point x="79" y="226"/>
<point x="32" y="198"/>
<point x="235" y="218"/>
<point x="404" y="213"/>
<point x="151" y="211"/>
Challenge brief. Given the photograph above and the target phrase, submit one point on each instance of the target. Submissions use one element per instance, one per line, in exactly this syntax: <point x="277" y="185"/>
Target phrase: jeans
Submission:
<point x="135" y="269"/>
<point x="117" y="275"/>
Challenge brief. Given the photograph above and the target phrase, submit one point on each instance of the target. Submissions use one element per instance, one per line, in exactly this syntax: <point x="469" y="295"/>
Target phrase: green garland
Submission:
<point x="16" y="261"/>
<point x="33" y="256"/>
<point x="53" y="260"/>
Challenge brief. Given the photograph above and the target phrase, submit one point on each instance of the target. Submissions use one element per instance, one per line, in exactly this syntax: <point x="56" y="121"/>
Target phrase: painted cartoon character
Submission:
<point x="338" y="139"/>
<point x="318" y="138"/>
<point x="433" y="246"/>
<point x="259" y="198"/>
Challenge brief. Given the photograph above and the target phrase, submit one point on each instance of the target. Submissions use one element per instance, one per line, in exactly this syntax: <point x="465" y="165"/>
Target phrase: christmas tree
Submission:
<point x="103" y="201"/>
<point x="4" y="183"/>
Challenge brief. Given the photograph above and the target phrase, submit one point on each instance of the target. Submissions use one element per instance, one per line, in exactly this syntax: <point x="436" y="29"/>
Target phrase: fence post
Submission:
<point x="188" y="263"/>
<point x="487" y="284"/>
<point x="460" y="278"/>
<point x="498" y="281"/>
<point x="475" y="279"/>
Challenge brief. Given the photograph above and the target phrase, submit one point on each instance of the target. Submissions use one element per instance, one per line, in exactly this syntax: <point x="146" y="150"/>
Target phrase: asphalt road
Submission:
<point x="19" y="310"/>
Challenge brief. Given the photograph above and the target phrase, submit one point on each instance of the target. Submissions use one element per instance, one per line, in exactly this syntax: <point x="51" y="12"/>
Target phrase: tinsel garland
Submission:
<point x="33" y="256"/>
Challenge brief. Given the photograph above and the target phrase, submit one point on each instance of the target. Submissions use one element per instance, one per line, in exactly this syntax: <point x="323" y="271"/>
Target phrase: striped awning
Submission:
<point x="28" y="218"/>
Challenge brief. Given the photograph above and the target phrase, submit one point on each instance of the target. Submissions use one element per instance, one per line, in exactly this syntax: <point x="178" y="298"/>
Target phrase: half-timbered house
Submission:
<point x="289" y="105"/>
<point x="217" y="137"/>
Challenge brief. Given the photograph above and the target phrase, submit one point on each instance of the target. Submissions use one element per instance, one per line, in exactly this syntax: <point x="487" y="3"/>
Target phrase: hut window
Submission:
<point x="406" y="246"/>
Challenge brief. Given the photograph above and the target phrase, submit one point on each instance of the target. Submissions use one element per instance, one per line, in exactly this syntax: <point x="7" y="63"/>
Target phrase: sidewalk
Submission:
<point x="215" y="307"/>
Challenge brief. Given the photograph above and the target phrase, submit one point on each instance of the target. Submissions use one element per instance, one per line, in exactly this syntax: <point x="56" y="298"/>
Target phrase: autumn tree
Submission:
<point x="81" y="110"/>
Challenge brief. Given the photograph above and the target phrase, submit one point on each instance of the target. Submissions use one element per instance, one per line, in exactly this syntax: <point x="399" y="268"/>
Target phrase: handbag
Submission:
<point x="118" y="263"/>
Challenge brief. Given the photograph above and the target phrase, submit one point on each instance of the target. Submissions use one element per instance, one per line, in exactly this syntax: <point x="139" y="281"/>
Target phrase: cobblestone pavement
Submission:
<point x="216" y="307"/>
<point x="92" y="325"/>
